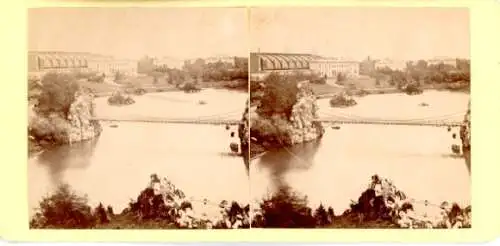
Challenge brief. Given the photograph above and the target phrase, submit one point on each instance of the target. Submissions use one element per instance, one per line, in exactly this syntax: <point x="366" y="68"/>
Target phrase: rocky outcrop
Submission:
<point x="302" y="127"/>
<point x="244" y="133"/>
<point x="298" y="127"/>
<point x="465" y="137"/>
<point x="81" y="126"/>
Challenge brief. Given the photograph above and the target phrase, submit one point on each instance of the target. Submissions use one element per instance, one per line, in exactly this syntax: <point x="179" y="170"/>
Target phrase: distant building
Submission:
<point x="41" y="62"/>
<point x="264" y="63"/>
<point x="230" y="60"/>
<point x="261" y="64"/>
<point x="332" y="67"/>
<point x="392" y="64"/>
<point x="168" y="62"/>
<point x="442" y="60"/>
<point x="225" y="59"/>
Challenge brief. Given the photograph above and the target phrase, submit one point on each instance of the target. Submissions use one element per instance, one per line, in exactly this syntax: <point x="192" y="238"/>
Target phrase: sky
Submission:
<point x="131" y="33"/>
<point x="355" y="33"/>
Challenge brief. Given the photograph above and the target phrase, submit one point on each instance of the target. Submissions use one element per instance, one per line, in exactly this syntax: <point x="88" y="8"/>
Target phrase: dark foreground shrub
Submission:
<point x="64" y="209"/>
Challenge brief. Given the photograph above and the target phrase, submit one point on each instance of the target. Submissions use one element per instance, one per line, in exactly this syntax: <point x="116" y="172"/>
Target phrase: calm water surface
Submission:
<point x="337" y="168"/>
<point x="115" y="167"/>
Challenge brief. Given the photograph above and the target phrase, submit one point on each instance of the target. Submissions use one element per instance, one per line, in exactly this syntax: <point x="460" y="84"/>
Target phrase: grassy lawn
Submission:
<point x="366" y="83"/>
<point x="321" y="89"/>
<point x="98" y="87"/>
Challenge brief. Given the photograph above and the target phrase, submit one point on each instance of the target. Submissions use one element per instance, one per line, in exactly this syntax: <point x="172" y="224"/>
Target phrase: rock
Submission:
<point x="302" y="127"/>
<point x="465" y="137"/>
<point x="234" y="147"/>
<point x="81" y="126"/>
<point x="244" y="132"/>
<point x="298" y="127"/>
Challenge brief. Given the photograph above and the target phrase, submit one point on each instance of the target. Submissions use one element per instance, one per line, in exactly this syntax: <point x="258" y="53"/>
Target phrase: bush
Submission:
<point x="64" y="209"/>
<point x="52" y="129"/>
<point x="119" y="76"/>
<point x="190" y="87"/>
<point x="139" y="91"/>
<point x="412" y="89"/>
<point x="341" y="77"/>
<point x="57" y="94"/>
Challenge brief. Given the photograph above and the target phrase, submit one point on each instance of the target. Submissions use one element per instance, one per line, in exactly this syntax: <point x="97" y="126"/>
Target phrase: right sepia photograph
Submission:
<point x="359" y="117"/>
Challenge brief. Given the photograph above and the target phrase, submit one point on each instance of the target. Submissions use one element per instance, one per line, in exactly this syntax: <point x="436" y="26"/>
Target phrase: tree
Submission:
<point x="341" y="77"/>
<point x="321" y="216"/>
<point x="279" y="95"/>
<point x="57" y="94"/>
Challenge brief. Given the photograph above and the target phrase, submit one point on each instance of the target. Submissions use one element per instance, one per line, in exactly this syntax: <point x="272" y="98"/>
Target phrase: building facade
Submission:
<point x="268" y="62"/>
<point x="40" y="63"/>
<point x="332" y="67"/>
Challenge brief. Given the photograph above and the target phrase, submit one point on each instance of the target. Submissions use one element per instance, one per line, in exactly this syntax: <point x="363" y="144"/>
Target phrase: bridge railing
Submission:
<point x="169" y="120"/>
<point x="382" y="122"/>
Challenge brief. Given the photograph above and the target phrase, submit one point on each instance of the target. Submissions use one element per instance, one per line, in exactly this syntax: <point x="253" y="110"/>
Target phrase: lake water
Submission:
<point x="338" y="168"/>
<point x="115" y="167"/>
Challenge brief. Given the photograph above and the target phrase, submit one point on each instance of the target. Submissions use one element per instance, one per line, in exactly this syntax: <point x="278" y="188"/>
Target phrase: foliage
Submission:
<point x="190" y="87"/>
<point x="57" y="93"/>
<point x="279" y="94"/>
<point x="119" y="76"/>
<point x="118" y="99"/>
<point x="285" y="210"/>
<point x="342" y="100"/>
<point x="422" y="72"/>
<point x="50" y="129"/>
<point x="413" y="89"/>
<point x="64" y="209"/>
<point x="341" y="77"/>
<point x="271" y="130"/>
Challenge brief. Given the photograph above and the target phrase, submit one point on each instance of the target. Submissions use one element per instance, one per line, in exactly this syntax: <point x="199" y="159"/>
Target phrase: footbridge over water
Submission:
<point x="169" y="120"/>
<point x="335" y="118"/>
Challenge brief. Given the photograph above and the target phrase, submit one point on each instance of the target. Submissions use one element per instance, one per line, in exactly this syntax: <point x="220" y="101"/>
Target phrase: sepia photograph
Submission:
<point x="360" y="117"/>
<point x="138" y="118"/>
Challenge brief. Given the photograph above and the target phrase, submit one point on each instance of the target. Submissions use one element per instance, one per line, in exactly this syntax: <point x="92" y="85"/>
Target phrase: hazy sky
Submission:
<point x="396" y="33"/>
<point x="135" y="32"/>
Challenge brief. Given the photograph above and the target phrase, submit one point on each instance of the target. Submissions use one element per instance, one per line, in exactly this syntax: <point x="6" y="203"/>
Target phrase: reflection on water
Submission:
<point x="116" y="166"/>
<point x="337" y="168"/>
<point x="59" y="159"/>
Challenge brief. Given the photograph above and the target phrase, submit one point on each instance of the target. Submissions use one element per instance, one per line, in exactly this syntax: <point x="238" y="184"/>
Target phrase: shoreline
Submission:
<point x="157" y="89"/>
<point x="383" y="91"/>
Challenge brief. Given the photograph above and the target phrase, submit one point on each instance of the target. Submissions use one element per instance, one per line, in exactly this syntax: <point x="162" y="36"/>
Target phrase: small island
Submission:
<point x="119" y="99"/>
<point x="342" y="100"/>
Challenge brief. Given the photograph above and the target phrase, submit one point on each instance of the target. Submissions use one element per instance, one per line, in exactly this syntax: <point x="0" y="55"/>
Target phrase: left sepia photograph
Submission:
<point x="137" y="118"/>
